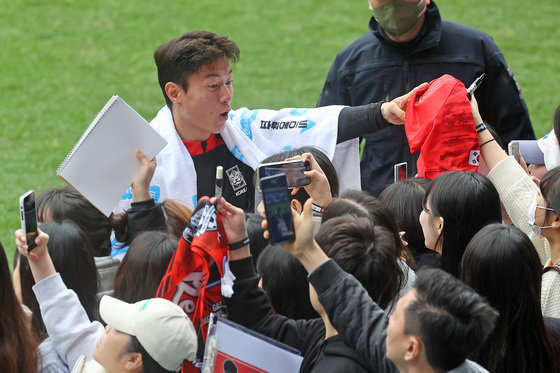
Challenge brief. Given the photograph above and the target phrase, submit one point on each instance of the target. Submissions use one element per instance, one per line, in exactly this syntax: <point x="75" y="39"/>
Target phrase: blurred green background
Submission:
<point x="62" y="60"/>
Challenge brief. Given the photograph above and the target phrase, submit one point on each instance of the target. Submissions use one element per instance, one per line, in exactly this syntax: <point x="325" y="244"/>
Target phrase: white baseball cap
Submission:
<point x="162" y="328"/>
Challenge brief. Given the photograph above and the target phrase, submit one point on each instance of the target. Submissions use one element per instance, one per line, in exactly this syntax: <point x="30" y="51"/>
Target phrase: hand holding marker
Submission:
<point x="475" y="85"/>
<point x="219" y="184"/>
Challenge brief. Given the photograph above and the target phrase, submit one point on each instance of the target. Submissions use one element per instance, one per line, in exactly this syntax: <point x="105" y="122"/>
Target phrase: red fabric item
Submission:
<point x="439" y="123"/>
<point x="191" y="280"/>
<point x="201" y="147"/>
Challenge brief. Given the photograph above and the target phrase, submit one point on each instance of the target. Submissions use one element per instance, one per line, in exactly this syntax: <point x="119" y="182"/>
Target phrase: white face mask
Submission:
<point x="532" y="213"/>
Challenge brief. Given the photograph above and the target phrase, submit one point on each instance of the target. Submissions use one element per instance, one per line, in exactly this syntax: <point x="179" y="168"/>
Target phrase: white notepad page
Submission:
<point x="103" y="163"/>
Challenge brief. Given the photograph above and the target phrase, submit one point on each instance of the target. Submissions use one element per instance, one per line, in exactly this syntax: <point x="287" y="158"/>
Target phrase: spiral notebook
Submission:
<point x="103" y="163"/>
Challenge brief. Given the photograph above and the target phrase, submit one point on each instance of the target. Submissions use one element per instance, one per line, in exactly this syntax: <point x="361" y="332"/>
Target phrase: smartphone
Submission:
<point x="28" y="218"/>
<point x="292" y="169"/>
<point x="276" y="198"/>
<point x="399" y="171"/>
<point x="513" y="149"/>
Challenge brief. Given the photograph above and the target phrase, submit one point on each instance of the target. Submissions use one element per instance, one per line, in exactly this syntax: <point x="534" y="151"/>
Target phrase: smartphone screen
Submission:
<point x="276" y="198"/>
<point x="292" y="169"/>
<point x="513" y="149"/>
<point x="28" y="217"/>
<point x="399" y="171"/>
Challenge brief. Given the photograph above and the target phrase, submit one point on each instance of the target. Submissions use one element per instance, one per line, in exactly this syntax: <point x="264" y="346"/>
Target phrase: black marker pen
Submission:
<point x="219" y="184"/>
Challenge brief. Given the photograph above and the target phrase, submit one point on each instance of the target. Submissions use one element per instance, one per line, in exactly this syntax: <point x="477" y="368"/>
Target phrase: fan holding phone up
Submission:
<point x="28" y="217"/>
<point x="307" y="172"/>
<point x="276" y="198"/>
<point x="274" y="180"/>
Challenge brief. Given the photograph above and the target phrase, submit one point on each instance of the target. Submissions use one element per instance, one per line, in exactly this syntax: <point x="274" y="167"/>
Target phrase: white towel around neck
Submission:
<point x="252" y="135"/>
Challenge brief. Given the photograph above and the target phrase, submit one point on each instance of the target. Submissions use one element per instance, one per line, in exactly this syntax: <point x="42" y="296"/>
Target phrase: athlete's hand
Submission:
<point x="394" y="111"/>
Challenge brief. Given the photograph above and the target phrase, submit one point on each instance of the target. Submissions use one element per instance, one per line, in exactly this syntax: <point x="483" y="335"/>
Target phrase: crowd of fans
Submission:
<point x="456" y="274"/>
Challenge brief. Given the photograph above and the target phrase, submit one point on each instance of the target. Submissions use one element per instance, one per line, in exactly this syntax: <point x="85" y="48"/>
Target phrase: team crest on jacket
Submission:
<point x="236" y="178"/>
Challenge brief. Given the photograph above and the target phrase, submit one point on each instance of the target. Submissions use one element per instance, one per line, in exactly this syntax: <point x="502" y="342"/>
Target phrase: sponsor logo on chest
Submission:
<point x="267" y="124"/>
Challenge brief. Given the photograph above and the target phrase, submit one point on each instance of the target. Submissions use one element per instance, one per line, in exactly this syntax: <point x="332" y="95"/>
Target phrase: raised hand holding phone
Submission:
<point x="294" y="168"/>
<point x="40" y="262"/>
<point x="319" y="188"/>
<point x="28" y="216"/>
<point x="304" y="247"/>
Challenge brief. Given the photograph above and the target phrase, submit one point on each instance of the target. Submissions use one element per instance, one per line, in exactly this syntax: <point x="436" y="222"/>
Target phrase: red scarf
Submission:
<point x="189" y="281"/>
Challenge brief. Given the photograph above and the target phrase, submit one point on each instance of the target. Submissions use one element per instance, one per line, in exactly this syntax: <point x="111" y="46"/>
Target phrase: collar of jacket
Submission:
<point x="428" y="37"/>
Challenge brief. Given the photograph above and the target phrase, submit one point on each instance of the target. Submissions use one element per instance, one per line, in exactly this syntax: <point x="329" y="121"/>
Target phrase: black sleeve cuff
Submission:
<point x="143" y="205"/>
<point x="243" y="268"/>
<point x="356" y="121"/>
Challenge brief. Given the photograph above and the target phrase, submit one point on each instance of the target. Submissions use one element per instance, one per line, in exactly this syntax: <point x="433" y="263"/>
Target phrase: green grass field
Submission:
<point x="62" y="60"/>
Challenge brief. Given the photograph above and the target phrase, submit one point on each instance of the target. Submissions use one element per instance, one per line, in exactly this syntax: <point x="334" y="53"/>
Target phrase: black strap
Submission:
<point x="238" y="244"/>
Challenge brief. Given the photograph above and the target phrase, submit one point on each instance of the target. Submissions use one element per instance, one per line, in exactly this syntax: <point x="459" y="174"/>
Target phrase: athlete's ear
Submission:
<point x="174" y="92"/>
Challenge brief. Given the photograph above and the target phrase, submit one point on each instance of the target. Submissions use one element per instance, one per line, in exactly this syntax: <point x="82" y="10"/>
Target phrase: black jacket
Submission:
<point x="374" y="68"/>
<point x="359" y="320"/>
<point x="248" y="306"/>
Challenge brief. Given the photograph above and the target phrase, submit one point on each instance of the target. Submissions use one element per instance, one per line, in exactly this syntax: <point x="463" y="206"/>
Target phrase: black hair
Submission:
<point x="171" y="215"/>
<point x="73" y="260"/>
<point x="494" y="134"/>
<point x="556" y="122"/>
<point x="367" y="252"/>
<point x="503" y="266"/>
<point x="467" y="201"/>
<point x="255" y="233"/>
<point x="550" y="189"/>
<point x="344" y="207"/>
<point x="382" y="215"/>
<point x="18" y="344"/>
<point x="65" y="203"/>
<point x="451" y="318"/>
<point x="179" y="58"/>
<point x="144" y="265"/>
<point x="149" y="365"/>
<point x="284" y="279"/>
<point x="405" y="199"/>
